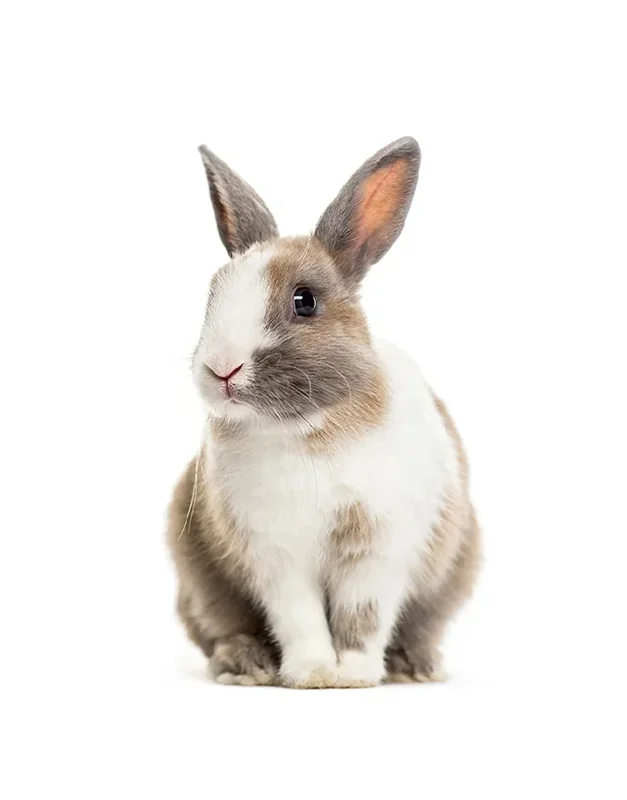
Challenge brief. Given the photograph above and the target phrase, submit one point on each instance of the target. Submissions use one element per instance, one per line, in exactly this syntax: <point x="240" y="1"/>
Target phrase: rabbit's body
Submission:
<point x="328" y="535"/>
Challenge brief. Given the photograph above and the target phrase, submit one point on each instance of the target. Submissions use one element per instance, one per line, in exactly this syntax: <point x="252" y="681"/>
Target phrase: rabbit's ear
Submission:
<point x="367" y="216"/>
<point x="243" y="218"/>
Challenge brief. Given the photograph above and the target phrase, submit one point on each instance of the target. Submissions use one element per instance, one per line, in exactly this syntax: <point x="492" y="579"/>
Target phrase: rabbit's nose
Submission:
<point x="225" y="377"/>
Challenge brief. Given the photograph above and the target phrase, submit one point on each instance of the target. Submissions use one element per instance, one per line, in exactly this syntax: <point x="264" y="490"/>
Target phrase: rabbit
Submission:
<point x="323" y="536"/>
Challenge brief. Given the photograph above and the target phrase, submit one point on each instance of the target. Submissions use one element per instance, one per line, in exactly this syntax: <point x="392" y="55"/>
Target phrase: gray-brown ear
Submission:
<point x="242" y="217"/>
<point x="367" y="216"/>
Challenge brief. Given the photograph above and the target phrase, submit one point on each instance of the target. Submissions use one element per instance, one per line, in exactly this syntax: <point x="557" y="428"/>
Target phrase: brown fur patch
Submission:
<point x="452" y="431"/>
<point x="320" y="365"/>
<point x="212" y="562"/>
<point x="351" y="626"/>
<point x="444" y="542"/>
<point x="352" y="536"/>
<point x="350" y="540"/>
<point x="455" y="517"/>
<point x="303" y="261"/>
<point x="364" y="411"/>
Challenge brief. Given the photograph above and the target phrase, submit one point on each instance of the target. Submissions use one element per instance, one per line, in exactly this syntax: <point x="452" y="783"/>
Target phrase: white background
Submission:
<point x="507" y="286"/>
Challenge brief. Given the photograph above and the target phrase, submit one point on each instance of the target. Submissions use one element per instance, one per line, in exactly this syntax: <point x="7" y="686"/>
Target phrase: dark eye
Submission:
<point x="304" y="302"/>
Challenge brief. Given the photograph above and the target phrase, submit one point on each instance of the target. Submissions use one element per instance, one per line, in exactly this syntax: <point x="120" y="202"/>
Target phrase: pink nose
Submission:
<point x="226" y="377"/>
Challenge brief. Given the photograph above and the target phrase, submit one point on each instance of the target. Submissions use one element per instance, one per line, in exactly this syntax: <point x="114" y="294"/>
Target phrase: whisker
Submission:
<point x="192" y="502"/>
<point x="350" y="394"/>
<point x="308" y="379"/>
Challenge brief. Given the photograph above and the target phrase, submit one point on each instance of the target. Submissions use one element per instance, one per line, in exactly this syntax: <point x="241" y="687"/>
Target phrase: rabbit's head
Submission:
<point x="285" y="337"/>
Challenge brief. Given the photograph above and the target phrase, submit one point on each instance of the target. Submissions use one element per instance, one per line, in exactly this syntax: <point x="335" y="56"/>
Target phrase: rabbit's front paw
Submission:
<point x="309" y="672"/>
<point x="359" y="669"/>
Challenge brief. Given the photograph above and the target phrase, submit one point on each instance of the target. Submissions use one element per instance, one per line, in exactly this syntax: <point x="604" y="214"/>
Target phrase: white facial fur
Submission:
<point x="233" y="328"/>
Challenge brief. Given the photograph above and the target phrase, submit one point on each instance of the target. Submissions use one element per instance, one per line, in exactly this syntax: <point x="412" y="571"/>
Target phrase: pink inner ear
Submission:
<point x="382" y="196"/>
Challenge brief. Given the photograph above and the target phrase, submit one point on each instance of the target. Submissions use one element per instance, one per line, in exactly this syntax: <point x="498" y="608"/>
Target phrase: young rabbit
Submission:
<point x="324" y="535"/>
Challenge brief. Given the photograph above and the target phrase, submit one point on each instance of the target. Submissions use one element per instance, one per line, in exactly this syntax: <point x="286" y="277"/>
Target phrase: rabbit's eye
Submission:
<point x="304" y="302"/>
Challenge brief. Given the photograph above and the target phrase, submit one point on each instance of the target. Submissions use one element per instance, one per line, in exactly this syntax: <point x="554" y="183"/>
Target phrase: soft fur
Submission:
<point x="324" y="535"/>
